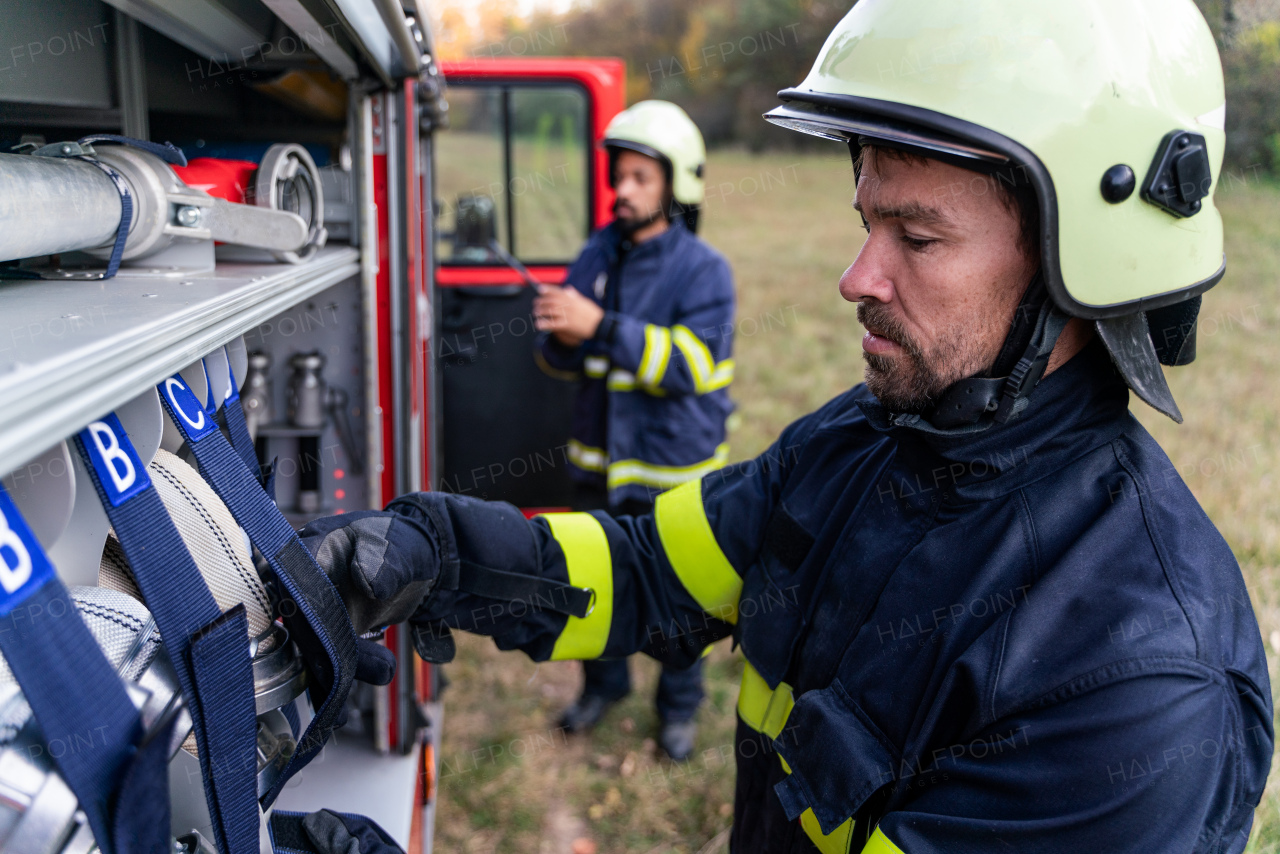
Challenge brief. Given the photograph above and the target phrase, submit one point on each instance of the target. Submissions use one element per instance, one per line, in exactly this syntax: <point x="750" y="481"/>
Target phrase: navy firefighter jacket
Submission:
<point x="650" y="411"/>
<point x="1028" y="639"/>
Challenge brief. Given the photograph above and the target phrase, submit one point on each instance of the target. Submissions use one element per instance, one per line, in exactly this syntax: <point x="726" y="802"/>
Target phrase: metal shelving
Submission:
<point x="72" y="350"/>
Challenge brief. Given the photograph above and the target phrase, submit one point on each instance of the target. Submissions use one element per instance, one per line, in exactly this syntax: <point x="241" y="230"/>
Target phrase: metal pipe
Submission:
<point x="51" y="204"/>
<point x="410" y="52"/>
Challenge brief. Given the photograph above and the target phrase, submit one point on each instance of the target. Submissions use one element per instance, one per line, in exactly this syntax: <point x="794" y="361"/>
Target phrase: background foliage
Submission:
<point x="724" y="60"/>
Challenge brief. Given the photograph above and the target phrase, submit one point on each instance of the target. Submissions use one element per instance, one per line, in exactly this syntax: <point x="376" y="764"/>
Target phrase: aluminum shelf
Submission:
<point x="71" y="351"/>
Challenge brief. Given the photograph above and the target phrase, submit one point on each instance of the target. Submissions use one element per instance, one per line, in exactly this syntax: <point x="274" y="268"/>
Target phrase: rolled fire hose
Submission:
<point x="56" y="202"/>
<point x="221" y="553"/>
<point x="38" y="813"/>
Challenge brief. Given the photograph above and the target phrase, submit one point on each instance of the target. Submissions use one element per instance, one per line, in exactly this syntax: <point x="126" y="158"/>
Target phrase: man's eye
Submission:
<point x="917" y="244"/>
<point x="866" y="226"/>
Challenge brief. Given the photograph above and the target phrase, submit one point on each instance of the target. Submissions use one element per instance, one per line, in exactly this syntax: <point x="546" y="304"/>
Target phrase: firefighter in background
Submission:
<point x="644" y="323"/>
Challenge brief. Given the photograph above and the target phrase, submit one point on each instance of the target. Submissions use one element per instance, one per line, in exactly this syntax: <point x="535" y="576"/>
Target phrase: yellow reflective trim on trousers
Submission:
<point x="586" y="552"/>
<point x="766" y="710"/>
<point x="588" y="458"/>
<point x="881" y="844"/>
<point x="657" y="353"/>
<point x="623" y="472"/>
<point x="695" y="556"/>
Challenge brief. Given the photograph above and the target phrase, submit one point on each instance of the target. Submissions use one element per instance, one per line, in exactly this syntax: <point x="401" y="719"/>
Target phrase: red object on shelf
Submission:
<point x="224" y="179"/>
<point x="530" y="512"/>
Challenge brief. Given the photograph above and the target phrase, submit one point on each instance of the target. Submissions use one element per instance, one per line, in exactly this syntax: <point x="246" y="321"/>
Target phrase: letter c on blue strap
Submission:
<point x="191" y="418"/>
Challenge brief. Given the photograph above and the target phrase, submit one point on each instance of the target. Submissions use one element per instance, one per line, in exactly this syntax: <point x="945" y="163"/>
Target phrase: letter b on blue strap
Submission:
<point x="120" y="470"/>
<point x="23" y="566"/>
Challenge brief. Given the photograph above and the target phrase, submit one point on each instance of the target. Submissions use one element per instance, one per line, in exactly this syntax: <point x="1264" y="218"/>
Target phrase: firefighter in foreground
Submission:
<point x="979" y="608"/>
<point x="644" y="324"/>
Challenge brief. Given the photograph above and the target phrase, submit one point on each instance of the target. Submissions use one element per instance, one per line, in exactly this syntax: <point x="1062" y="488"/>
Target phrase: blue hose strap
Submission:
<point x="75" y="695"/>
<point x="312" y="609"/>
<point x="168" y="152"/>
<point x="222" y="708"/>
<point x="237" y="429"/>
<point x="126" y="216"/>
<point x="142" y="804"/>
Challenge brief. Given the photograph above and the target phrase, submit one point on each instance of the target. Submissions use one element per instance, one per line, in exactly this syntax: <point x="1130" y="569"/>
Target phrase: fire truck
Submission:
<point x="289" y="220"/>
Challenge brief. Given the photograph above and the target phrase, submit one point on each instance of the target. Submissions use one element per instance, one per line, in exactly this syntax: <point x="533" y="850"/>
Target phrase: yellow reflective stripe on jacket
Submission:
<point x="586" y="552"/>
<point x="838" y="841"/>
<point x="691" y="548"/>
<point x="880" y="844"/>
<point x="763" y="709"/>
<point x="547" y="369"/>
<point x="707" y="375"/>
<point x="595" y="366"/>
<point x="766" y="710"/>
<point x="588" y="458"/>
<point x="664" y="477"/>
<point x="656" y="356"/>
<point x="620" y="380"/>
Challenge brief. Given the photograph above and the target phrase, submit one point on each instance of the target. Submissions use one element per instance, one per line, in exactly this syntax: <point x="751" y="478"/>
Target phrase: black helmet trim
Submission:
<point x="641" y="148"/>
<point x="847" y="118"/>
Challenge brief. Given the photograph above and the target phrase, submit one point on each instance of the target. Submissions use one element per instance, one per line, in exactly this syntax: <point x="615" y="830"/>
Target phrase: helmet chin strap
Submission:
<point x="977" y="403"/>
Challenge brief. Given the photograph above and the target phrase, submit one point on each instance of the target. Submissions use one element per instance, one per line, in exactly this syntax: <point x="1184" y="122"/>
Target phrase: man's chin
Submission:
<point x="896" y="390"/>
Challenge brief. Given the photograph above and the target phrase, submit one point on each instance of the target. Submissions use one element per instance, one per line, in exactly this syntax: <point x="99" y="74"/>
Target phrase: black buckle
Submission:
<point x="1181" y="174"/>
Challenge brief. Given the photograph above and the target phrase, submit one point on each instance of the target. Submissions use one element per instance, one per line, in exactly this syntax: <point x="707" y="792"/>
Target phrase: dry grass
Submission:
<point x="789" y="232"/>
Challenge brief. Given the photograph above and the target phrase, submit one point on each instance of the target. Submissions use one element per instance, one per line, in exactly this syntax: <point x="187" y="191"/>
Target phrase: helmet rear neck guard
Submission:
<point x="859" y="121"/>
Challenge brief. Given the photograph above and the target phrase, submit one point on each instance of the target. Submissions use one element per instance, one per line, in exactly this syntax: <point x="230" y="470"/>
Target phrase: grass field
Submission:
<point x="510" y="782"/>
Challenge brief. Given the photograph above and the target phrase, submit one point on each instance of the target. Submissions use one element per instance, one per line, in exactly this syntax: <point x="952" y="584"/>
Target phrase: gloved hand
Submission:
<point x="328" y="832"/>
<point x="440" y="561"/>
<point x="386" y="566"/>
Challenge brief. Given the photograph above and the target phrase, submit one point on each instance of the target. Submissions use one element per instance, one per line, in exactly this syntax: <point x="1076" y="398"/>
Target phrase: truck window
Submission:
<point x="513" y="166"/>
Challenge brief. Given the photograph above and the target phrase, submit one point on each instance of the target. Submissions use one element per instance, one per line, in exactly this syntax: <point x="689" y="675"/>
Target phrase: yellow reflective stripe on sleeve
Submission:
<point x="595" y="366"/>
<point x="723" y="375"/>
<point x="657" y="353"/>
<point x="701" y="363"/>
<point x="586" y="552"/>
<point x="691" y="548"/>
<point x="881" y="844"/>
<point x="707" y="375"/>
<point x="838" y="841"/>
<point x="588" y="458"/>
<point x="663" y="477"/>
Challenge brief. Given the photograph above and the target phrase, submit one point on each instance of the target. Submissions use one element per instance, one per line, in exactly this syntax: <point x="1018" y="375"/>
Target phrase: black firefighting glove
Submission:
<point x="384" y="566"/>
<point x="328" y="832"/>
<point x="439" y="561"/>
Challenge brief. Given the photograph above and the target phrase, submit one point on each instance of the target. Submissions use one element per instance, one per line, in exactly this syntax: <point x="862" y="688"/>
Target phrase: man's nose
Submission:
<point x="868" y="277"/>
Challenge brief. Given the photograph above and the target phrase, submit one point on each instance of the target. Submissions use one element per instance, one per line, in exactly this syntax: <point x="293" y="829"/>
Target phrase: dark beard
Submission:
<point x="629" y="226"/>
<point x="906" y="383"/>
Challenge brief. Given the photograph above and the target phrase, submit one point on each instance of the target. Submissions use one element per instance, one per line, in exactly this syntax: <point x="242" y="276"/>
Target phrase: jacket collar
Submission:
<point x="1079" y="407"/>
<point x="659" y="245"/>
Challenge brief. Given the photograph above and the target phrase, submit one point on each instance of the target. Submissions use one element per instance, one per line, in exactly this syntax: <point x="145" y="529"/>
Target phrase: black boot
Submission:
<point x="585" y="713"/>
<point x="677" y="739"/>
